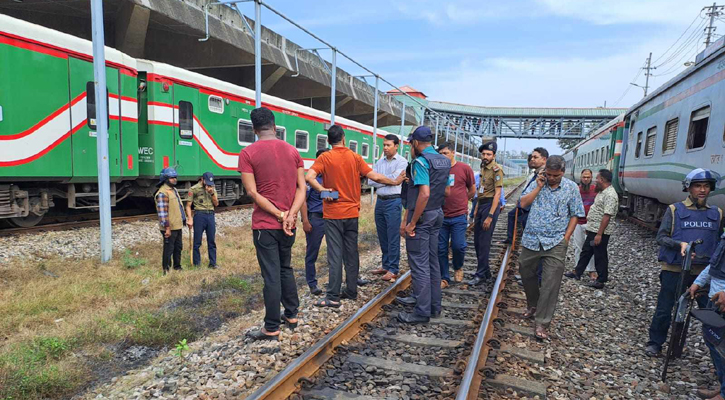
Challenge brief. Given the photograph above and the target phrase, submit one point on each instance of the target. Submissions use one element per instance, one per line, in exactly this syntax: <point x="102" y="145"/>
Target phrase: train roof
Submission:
<point x="199" y="80"/>
<point x="598" y="132"/>
<point x="708" y="55"/>
<point x="62" y="42"/>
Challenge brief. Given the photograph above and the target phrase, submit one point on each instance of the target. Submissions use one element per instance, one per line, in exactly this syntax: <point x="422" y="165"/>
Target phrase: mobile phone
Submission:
<point x="330" y="195"/>
<point x="591" y="243"/>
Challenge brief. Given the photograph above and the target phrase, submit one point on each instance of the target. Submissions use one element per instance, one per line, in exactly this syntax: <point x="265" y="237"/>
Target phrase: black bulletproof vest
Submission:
<point x="438" y="169"/>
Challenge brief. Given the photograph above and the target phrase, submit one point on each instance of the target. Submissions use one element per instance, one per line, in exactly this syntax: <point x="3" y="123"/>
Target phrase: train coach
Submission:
<point x="159" y="116"/>
<point x="677" y="128"/>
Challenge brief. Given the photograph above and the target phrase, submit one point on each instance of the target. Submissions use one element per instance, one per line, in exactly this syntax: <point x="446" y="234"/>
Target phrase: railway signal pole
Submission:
<point x="104" y="181"/>
<point x="713" y="12"/>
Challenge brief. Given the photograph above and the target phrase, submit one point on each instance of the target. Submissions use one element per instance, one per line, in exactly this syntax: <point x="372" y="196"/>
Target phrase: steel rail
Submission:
<point x="285" y="382"/>
<point x="471" y="380"/>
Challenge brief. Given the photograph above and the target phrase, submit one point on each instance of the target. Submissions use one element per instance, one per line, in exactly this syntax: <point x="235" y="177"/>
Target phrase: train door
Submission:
<point x="85" y="166"/>
<point x="186" y="155"/>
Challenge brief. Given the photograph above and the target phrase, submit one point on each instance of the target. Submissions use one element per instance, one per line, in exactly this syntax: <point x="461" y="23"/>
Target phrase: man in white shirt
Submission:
<point x="388" y="208"/>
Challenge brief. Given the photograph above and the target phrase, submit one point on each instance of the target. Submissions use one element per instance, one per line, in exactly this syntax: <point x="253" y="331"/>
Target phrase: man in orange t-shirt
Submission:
<point x="341" y="170"/>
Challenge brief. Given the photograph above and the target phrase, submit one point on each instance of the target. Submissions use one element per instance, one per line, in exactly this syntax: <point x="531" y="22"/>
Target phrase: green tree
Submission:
<point x="567" y="144"/>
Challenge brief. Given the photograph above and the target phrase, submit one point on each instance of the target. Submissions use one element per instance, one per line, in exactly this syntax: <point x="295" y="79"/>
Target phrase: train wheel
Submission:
<point x="26" y="222"/>
<point x="229" y="203"/>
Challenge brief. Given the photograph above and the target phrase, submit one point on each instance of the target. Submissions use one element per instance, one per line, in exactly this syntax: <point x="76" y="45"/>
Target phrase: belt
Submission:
<point x="204" y="211"/>
<point x="485" y="199"/>
<point x="389" y="197"/>
<point x="316" y="214"/>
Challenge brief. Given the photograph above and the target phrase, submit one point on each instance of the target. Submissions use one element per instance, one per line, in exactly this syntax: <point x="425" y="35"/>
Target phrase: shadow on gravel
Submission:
<point x="187" y="318"/>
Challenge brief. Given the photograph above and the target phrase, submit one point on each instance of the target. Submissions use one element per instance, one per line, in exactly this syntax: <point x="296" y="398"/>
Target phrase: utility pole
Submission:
<point x="647" y="74"/>
<point x="713" y="11"/>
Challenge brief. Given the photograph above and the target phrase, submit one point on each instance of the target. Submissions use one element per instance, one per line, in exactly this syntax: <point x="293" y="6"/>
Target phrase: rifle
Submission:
<point x="681" y="316"/>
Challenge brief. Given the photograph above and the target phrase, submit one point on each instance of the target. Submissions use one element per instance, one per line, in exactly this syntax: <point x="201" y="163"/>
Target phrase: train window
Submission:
<point x="377" y="151"/>
<point x="365" y="150"/>
<point x="186" y="120"/>
<point x="321" y="142"/>
<point x="216" y="104"/>
<point x="353" y="146"/>
<point x="670" y="141"/>
<point x="638" y="149"/>
<point x="302" y="140"/>
<point x="698" y="128"/>
<point x="281" y="133"/>
<point x="649" y="144"/>
<point x="91" y="106"/>
<point x="245" y="133"/>
<point x="407" y="155"/>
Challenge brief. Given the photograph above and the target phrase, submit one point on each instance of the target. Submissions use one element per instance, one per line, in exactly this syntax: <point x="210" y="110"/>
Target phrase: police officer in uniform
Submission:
<point x="171" y="218"/>
<point x="423" y="219"/>
<point x="683" y="222"/>
<point x="203" y="196"/>
<point x="487" y="210"/>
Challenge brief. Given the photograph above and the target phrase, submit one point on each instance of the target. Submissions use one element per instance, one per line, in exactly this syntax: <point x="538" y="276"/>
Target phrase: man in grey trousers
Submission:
<point x="423" y="220"/>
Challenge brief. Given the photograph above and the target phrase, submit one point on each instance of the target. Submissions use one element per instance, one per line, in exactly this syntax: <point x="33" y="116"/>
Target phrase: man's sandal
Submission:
<point x="530" y="312"/>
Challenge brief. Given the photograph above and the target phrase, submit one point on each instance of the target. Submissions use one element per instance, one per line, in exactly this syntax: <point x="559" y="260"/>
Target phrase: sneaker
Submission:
<point x="458" y="275"/>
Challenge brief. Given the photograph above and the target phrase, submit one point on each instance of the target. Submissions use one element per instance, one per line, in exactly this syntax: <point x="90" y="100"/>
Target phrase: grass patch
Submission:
<point x="57" y="316"/>
<point x="37" y="370"/>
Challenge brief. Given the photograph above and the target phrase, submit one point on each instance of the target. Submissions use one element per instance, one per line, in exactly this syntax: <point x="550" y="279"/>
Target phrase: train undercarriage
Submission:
<point x="26" y="204"/>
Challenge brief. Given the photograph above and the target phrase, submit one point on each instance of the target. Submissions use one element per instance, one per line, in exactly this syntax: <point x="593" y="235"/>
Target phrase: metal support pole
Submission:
<point x="448" y="130"/>
<point x="436" y="143"/>
<point x="332" y="86"/>
<point x="455" y="146"/>
<point x="402" y="125"/>
<point x="258" y="53"/>
<point x="375" y="131"/>
<point x="104" y="180"/>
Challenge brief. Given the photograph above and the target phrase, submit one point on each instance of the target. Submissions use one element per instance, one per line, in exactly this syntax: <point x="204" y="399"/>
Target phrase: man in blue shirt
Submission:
<point x="555" y="205"/>
<point x="536" y="162"/>
<point x="423" y="219"/>
<point x="314" y="227"/>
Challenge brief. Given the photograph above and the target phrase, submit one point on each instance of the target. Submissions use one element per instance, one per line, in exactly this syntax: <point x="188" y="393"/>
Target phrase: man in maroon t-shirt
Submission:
<point x="586" y="190"/>
<point x="274" y="177"/>
<point x="461" y="188"/>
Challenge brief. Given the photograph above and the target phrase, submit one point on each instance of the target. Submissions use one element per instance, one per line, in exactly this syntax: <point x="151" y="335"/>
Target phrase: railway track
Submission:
<point x="87" y="221"/>
<point x="371" y="355"/>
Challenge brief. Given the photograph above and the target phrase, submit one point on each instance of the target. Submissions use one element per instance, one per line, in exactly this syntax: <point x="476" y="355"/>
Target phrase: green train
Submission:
<point x="159" y="116"/>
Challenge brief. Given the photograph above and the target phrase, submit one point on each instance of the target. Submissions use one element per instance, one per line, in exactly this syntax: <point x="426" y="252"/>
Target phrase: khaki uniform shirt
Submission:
<point x="491" y="178"/>
<point x="201" y="199"/>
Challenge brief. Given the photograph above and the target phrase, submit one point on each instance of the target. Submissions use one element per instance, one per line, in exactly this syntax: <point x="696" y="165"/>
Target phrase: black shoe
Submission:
<point x="596" y="285"/>
<point x="178" y="268"/>
<point x="435" y="315"/>
<point x="406" y="301"/>
<point x="507" y="241"/>
<point x="412" y="318"/>
<point x="652" y="350"/>
<point x="345" y="296"/>
<point x="259" y="335"/>
<point x="166" y="271"/>
<point x="476" y="281"/>
<point x="362" y="282"/>
<point x="213" y="267"/>
<point x="572" y="275"/>
<point x="315" y="291"/>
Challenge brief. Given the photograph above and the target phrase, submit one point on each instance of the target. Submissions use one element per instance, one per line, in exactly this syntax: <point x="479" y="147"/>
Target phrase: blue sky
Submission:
<point x="535" y="53"/>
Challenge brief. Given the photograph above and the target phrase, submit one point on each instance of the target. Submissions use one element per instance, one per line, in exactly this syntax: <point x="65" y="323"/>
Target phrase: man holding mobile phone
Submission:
<point x="203" y="197"/>
<point x="341" y="170"/>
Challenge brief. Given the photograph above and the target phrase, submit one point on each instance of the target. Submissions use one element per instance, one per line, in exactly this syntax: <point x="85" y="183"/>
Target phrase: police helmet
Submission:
<point x="701" y="175"/>
<point x="166" y="174"/>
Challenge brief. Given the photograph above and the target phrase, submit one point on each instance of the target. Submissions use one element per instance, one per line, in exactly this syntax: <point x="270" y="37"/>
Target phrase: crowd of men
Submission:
<point x="426" y="203"/>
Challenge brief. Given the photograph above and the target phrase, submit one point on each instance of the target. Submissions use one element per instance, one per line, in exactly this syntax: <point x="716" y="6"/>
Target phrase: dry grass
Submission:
<point x="44" y="320"/>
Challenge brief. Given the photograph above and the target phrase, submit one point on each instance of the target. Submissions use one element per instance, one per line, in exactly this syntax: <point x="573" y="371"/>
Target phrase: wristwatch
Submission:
<point x="281" y="216"/>
<point x="491" y="215"/>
